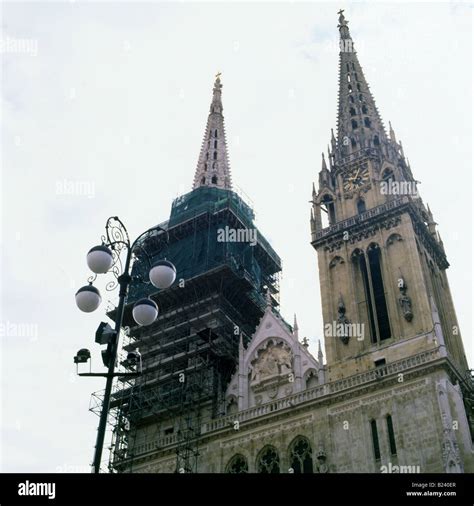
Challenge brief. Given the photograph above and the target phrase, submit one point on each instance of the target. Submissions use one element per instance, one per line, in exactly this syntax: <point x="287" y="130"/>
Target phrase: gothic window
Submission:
<point x="375" y="439"/>
<point x="268" y="461"/>
<point x="362" y="277"/>
<point x="356" y="76"/>
<point x="214" y="165"/>
<point x="354" y="124"/>
<point x="301" y="460"/>
<point x="391" y="436"/>
<point x="361" y="206"/>
<point x="214" y="180"/>
<point x="361" y="98"/>
<point x="327" y="205"/>
<point x="387" y="176"/>
<point x="367" y="122"/>
<point x="215" y="133"/>
<point x="215" y="155"/>
<point x="205" y="166"/>
<point x="237" y="465"/>
<point x="351" y="98"/>
<point x="349" y="87"/>
<point x="358" y="87"/>
<point x="207" y="156"/>
<point x="364" y="109"/>
<point x="376" y="140"/>
<point x="215" y="144"/>
<point x="352" y="111"/>
<point x="347" y="67"/>
<point x="203" y="180"/>
<point x="312" y="379"/>
<point x="378" y="292"/>
<point x="353" y="142"/>
<point x="348" y="78"/>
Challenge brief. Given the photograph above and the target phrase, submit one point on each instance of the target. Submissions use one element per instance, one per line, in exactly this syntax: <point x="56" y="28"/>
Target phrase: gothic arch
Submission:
<point x="237" y="465"/>
<point x="300" y="455"/>
<point x="268" y="460"/>
<point x="336" y="260"/>
<point x="393" y="238"/>
<point x="311" y="378"/>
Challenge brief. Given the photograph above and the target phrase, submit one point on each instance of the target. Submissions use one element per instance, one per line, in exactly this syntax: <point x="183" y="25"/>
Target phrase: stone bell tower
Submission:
<point x="382" y="264"/>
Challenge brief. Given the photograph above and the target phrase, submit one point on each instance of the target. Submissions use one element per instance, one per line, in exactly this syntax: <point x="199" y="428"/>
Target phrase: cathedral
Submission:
<point x="228" y="386"/>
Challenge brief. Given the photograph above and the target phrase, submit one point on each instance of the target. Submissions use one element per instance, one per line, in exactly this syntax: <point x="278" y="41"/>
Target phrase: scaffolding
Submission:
<point x="190" y="353"/>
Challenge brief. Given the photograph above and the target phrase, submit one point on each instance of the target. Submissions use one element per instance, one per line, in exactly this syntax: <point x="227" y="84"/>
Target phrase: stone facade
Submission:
<point x="395" y="392"/>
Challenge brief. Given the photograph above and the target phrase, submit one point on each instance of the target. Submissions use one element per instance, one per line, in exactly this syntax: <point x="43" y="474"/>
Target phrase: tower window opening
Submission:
<point x="361" y="98"/>
<point x="361" y="266"/>
<point x="348" y="78"/>
<point x="354" y="124"/>
<point x="327" y="205"/>
<point x="205" y="166"/>
<point x="349" y="87"/>
<point x="352" y="111"/>
<point x="215" y="133"/>
<point x="215" y="144"/>
<point x="214" y="180"/>
<point x="347" y="67"/>
<point x="361" y="206"/>
<point x="353" y="142"/>
<point x="353" y="67"/>
<point x="356" y="76"/>
<point x="375" y="439"/>
<point x="351" y="98"/>
<point x="203" y="180"/>
<point x="358" y="86"/>
<point x="376" y="140"/>
<point x="214" y="156"/>
<point x="364" y="109"/>
<point x="378" y="291"/>
<point x="367" y="122"/>
<point x="391" y="436"/>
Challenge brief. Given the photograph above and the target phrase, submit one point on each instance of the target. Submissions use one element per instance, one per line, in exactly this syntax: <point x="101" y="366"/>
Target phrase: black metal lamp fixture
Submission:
<point x="107" y="258"/>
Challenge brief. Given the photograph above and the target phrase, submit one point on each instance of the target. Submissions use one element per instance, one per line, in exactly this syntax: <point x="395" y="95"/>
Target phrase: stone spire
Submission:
<point x="295" y="327"/>
<point x="358" y="123"/>
<point x="213" y="164"/>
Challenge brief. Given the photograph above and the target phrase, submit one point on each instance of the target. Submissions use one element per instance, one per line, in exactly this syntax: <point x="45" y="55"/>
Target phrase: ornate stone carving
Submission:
<point x="343" y="320"/>
<point x="405" y="301"/>
<point x="275" y="360"/>
<point x="321" y="457"/>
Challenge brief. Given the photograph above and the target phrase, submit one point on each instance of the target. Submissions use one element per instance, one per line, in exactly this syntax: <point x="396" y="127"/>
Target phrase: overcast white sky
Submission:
<point x="116" y="96"/>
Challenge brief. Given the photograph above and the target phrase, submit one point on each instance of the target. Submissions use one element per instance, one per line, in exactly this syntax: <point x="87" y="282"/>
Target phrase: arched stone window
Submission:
<point x="237" y="465"/>
<point x="215" y="144"/>
<point x="367" y="122"/>
<point x="215" y="155"/>
<point x="214" y="180"/>
<point x="327" y="204"/>
<point x="354" y="124"/>
<point x="364" y="109"/>
<point x="203" y="180"/>
<point x="361" y="206"/>
<point x="301" y="460"/>
<point x="268" y="461"/>
<point x="352" y="111"/>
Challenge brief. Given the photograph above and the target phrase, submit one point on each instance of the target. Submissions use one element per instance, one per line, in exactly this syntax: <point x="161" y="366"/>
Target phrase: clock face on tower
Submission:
<point x="355" y="178"/>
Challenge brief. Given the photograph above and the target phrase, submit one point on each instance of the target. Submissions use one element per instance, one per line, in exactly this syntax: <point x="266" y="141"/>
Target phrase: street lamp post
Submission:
<point x="107" y="258"/>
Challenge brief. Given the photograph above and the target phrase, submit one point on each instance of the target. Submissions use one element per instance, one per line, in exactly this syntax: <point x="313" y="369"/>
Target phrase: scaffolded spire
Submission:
<point x="213" y="164"/>
<point x="359" y="123"/>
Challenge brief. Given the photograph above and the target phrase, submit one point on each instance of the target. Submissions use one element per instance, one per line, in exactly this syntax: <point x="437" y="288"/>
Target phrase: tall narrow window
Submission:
<point x="367" y="122"/>
<point x="352" y="111"/>
<point x="362" y="265"/>
<point x="214" y="180"/>
<point x="391" y="436"/>
<point x="354" y="124"/>
<point x="215" y="144"/>
<point x="215" y="155"/>
<point x="375" y="439"/>
<point x="361" y="206"/>
<point x="327" y="205"/>
<point x="215" y="133"/>
<point x="379" y="292"/>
